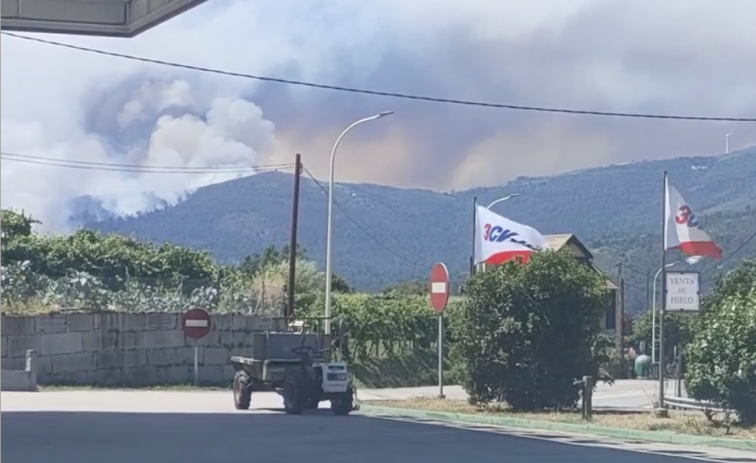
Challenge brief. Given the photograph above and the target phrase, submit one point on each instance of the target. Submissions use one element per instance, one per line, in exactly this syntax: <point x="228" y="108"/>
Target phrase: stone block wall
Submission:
<point x="125" y="349"/>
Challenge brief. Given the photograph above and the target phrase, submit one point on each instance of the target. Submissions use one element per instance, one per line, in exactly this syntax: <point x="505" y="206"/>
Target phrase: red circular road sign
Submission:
<point x="439" y="287"/>
<point x="196" y="323"/>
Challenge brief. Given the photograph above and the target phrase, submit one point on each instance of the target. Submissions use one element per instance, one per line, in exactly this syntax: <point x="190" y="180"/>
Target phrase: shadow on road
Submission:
<point x="320" y="437"/>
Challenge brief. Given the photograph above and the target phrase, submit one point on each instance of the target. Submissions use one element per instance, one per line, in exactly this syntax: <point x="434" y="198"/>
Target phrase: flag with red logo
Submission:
<point x="498" y="239"/>
<point x="682" y="230"/>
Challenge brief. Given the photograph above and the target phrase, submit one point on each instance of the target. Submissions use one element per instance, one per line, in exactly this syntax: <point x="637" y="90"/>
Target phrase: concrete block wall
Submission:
<point x="21" y="380"/>
<point x="125" y="349"/>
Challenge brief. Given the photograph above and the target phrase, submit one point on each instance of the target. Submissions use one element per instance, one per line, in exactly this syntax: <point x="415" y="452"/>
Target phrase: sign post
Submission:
<point x="439" y="298"/>
<point x="683" y="292"/>
<point x="196" y="324"/>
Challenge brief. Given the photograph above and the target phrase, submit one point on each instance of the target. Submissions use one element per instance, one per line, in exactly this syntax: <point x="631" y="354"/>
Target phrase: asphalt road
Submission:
<point x="202" y="427"/>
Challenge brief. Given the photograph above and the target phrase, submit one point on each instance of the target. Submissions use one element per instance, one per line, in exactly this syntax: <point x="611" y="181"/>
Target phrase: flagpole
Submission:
<point x="474" y="227"/>
<point x="663" y="293"/>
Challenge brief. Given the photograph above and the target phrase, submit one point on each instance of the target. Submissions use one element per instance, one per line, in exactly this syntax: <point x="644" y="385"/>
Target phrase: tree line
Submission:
<point x="87" y="270"/>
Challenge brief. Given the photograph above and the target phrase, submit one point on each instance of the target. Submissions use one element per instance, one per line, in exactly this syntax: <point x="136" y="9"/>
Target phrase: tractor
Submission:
<point x="296" y="364"/>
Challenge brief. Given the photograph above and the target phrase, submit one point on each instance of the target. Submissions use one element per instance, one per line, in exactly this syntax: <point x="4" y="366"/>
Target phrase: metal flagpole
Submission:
<point x="474" y="229"/>
<point x="663" y="293"/>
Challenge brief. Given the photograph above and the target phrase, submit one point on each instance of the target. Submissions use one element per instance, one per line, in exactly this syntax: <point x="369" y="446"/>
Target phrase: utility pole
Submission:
<point x="289" y="308"/>
<point x="619" y="317"/>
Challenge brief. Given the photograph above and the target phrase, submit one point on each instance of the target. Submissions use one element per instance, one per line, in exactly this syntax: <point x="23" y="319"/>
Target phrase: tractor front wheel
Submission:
<point x="343" y="404"/>
<point x="294" y="396"/>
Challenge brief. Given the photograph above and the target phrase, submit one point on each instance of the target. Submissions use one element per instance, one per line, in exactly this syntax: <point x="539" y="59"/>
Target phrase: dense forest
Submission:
<point x="385" y="235"/>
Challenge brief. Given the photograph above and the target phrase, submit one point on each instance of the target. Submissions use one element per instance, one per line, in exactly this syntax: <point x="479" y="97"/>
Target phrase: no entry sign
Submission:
<point x="439" y="287"/>
<point x="196" y="323"/>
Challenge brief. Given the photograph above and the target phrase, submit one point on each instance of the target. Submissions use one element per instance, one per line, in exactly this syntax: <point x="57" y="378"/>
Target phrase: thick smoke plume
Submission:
<point x="144" y="122"/>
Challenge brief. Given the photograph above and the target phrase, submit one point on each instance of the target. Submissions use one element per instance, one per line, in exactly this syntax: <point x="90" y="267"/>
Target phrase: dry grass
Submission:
<point x="684" y="423"/>
<point x="29" y="308"/>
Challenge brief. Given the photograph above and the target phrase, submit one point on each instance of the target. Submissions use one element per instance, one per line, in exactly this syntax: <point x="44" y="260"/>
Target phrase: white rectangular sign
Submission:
<point x="196" y="323"/>
<point x="683" y="292"/>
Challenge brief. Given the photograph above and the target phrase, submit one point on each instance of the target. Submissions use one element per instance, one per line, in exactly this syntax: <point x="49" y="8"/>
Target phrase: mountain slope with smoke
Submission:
<point x="143" y="122"/>
<point x="673" y="57"/>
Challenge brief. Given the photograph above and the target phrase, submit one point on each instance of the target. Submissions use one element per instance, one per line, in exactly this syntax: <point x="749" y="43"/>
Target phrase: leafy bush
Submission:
<point x="26" y="292"/>
<point x="526" y="332"/>
<point x="385" y="324"/>
<point x="721" y="359"/>
<point x="739" y="281"/>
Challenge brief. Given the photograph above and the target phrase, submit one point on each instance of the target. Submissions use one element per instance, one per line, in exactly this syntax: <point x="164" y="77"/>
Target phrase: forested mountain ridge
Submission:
<point x="391" y="234"/>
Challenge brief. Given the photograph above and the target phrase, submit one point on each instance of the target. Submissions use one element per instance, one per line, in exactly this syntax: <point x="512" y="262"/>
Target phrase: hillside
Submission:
<point x="399" y="233"/>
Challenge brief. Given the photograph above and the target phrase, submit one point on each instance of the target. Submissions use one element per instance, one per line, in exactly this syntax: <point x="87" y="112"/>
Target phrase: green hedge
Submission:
<point x="387" y="325"/>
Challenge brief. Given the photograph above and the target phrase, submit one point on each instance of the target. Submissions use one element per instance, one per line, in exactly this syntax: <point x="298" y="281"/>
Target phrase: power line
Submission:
<point x="732" y="254"/>
<point x="145" y="169"/>
<point x="359" y="226"/>
<point x="635" y="270"/>
<point x="379" y="92"/>
<point x="255" y="169"/>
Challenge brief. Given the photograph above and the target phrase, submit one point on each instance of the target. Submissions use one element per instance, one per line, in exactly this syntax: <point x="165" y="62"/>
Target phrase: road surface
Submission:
<point x="202" y="427"/>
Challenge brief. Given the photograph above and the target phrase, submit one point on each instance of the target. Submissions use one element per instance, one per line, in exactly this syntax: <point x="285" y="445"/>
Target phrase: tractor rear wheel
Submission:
<point x="242" y="390"/>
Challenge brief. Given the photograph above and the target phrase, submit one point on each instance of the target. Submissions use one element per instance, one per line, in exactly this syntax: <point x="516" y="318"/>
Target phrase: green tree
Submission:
<point x="412" y="287"/>
<point x="526" y="332"/>
<point x="739" y="281"/>
<point x="309" y="282"/>
<point x="721" y="360"/>
<point x="252" y="265"/>
<point x="678" y="331"/>
<point x="271" y="257"/>
<point x="340" y="285"/>
<point x="115" y="259"/>
<point x="16" y="224"/>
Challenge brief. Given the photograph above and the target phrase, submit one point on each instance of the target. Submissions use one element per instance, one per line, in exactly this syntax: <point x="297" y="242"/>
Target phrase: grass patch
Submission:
<point x="683" y="423"/>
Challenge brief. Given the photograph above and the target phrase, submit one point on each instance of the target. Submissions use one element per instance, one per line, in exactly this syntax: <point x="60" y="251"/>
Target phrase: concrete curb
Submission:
<point x="632" y="434"/>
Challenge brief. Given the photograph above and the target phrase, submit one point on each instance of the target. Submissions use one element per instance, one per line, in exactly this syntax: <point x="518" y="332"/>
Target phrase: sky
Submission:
<point x="685" y="57"/>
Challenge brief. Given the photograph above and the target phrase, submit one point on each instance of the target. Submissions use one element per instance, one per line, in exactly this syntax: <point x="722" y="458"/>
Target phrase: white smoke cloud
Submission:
<point x="172" y="123"/>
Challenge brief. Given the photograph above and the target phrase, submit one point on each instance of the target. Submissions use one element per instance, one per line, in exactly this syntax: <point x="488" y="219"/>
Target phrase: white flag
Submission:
<point x="498" y="239"/>
<point x="682" y="230"/>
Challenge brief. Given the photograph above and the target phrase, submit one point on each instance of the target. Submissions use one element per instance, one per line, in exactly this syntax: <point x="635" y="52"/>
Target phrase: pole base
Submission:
<point x="440" y="396"/>
<point x="660" y="412"/>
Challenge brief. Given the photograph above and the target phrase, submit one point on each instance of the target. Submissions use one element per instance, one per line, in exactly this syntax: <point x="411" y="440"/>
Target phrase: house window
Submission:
<point x="610" y="318"/>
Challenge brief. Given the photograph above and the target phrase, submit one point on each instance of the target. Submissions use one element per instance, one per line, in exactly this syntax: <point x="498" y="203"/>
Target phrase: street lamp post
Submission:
<point x="653" y="312"/>
<point x="501" y="200"/>
<point x="329" y="229"/>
